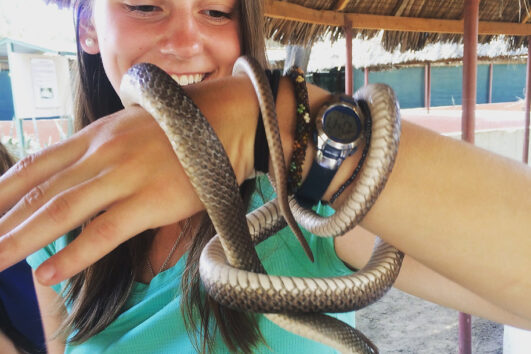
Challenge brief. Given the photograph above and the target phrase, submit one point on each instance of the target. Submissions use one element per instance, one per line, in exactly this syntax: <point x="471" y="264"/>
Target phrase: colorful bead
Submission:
<point x="303" y="129"/>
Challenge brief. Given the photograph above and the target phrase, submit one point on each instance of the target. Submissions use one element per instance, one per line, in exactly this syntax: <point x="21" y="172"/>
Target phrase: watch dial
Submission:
<point x="340" y="125"/>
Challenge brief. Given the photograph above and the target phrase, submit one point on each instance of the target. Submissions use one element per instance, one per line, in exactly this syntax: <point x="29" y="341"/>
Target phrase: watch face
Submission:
<point x="341" y="124"/>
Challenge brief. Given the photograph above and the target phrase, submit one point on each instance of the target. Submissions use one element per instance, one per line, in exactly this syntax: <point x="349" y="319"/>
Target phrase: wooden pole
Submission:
<point x="491" y="72"/>
<point x="470" y="38"/>
<point x="527" y="103"/>
<point x="348" y="65"/>
<point x="470" y="69"/>
<point x="427" y="86"/>
<point x="366" y="76"/>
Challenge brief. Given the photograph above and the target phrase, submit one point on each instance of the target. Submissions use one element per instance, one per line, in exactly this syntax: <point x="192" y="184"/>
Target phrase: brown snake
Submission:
<point x="229" y="266"/>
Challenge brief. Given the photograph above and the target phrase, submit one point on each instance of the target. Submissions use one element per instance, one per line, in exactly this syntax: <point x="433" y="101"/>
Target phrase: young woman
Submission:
<point x="121" y="173"/>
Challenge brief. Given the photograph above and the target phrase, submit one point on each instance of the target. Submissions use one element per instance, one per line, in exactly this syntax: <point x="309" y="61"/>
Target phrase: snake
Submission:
<point x="229" y="266"/>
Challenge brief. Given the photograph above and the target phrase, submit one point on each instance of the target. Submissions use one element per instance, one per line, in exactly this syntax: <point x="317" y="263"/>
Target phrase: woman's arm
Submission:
<point x="463" y="212"/>
<point x="458" y="210"/>
<point x="356" y="246"/>
<point x="50" y="317"/>
<point x="124" y="165"/>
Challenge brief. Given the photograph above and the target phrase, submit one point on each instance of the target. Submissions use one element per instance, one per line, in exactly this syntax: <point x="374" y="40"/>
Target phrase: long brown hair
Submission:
<point x="97" y="294"/>
<point x="6" y="159"/>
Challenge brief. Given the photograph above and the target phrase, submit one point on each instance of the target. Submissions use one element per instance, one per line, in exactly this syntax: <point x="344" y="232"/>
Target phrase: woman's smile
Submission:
<point x="192" y="40"/>
<point x="188" y="79"/>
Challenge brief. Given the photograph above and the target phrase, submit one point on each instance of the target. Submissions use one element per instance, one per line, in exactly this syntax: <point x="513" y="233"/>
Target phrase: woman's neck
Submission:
<point x="160" y="253"/>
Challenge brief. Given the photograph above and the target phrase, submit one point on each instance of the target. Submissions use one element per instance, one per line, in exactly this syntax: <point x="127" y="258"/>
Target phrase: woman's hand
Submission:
<point x="120" y="170"/>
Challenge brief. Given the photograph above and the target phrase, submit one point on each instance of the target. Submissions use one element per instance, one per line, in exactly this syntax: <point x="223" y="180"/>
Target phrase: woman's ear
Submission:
<point x="88" y="36"/>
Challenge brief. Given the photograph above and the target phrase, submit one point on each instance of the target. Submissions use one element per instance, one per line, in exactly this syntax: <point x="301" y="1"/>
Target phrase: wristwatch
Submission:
<point x="338" y="132"/>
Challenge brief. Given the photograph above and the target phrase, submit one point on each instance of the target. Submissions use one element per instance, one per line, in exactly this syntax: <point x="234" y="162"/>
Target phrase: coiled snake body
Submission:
<point x="229" y="265"/>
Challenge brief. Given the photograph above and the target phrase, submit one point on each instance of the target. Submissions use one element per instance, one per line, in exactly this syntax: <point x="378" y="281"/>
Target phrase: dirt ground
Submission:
<point x="401" y="323"/>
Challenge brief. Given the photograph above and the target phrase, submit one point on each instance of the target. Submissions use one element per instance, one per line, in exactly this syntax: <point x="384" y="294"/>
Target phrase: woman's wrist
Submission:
<point x="217" y="99"/>
<point x="231" y="107"/>
<point x="318" y="97"/>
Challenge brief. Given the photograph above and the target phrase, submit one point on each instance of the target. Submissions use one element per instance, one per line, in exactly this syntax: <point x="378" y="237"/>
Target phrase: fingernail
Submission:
<point x="45" y="273"/>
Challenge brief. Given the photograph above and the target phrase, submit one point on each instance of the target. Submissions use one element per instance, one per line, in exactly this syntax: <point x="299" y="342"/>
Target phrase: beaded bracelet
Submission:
<point x="303" y="129"/>
<point x="367" y="133"/>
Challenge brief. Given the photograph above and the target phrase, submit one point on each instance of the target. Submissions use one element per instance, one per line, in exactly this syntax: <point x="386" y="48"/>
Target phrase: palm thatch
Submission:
<point x="509" y="11"/>
<point x="370" y="54"/>
<point x="301" y="33"/>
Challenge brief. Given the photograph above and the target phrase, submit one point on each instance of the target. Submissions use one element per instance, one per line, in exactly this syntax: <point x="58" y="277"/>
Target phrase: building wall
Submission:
<point x="507" y="142"/>
<point x="6" y="99"/>
<point x="446" y="83"/>
<point x="408" y="84"/>
<point x="510" y="82"/>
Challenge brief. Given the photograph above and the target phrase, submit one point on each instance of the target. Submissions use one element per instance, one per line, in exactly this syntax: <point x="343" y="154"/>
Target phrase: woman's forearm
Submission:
<point x="460" y="211"/>
<point x="463" y="212"/>
<point x="416" y="279"/>
<point x="457" y="209"/>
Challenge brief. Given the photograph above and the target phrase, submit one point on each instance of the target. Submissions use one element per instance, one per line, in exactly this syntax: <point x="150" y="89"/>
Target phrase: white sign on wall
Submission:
<point x="41" y="85"/>
<point x="44" y="77"/>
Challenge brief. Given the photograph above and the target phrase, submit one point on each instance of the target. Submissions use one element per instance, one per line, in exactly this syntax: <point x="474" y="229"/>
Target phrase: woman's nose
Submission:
<point x="183" y="39"/>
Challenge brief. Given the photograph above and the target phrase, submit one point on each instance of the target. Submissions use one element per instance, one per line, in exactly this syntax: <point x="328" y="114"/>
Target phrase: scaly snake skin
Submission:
<point x="229" y="266"/>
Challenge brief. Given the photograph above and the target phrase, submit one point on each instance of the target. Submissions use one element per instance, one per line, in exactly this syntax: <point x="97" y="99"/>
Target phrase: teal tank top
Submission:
<point x="151" y="321"/>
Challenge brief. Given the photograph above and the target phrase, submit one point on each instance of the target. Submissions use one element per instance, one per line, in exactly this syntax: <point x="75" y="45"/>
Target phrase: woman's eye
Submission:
<point x="215" y="14"/>
<point x="143" y="9"/>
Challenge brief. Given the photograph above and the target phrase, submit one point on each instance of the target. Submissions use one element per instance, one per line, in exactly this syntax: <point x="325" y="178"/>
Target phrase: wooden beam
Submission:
<point x="507" y="28"/>
<point x="288" y="11"/>
<point x="341" y="4"/>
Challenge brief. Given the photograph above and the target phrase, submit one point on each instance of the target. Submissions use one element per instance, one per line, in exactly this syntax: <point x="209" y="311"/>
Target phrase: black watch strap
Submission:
<point x="314" y="186"/>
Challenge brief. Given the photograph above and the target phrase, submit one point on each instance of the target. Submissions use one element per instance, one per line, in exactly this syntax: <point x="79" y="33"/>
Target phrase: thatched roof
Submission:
<point x="308" y="30"/>
<point x="370" y="54"/>
<point x="323" y="19"/>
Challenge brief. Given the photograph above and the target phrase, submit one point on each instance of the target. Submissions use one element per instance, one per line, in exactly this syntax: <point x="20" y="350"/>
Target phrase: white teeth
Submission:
<point x="184" y="80"/>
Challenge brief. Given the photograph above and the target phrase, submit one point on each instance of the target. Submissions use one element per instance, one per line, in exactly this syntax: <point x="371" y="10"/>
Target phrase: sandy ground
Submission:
<point x="401" y="323"/>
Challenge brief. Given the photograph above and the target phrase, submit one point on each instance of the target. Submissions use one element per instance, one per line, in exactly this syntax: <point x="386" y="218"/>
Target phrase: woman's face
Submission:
<point x="192" y="40"/>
